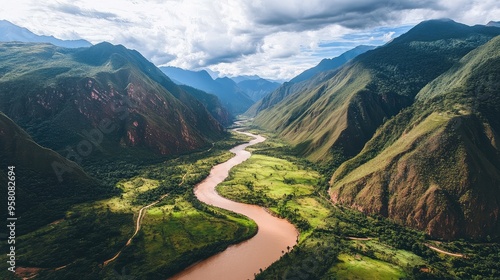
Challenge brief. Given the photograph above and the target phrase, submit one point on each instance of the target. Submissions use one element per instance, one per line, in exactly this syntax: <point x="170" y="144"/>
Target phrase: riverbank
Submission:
<point x="244" y="260"/>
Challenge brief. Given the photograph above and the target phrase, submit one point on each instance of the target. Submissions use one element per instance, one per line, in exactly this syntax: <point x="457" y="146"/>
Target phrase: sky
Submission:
<point x="274" y="39"/>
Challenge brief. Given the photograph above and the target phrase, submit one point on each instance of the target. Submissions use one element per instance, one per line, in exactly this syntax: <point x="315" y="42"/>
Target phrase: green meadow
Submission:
<point x="362" y="267"/>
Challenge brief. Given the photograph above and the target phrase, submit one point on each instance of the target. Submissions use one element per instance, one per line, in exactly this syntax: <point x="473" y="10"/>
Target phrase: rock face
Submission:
<point x="103" y="98"/>
<point x="436" y="166"/>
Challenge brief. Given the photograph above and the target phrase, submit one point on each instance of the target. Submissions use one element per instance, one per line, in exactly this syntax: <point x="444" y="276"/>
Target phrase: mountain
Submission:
<point x="332" y="118"/>
<point x="493" y="23"/>
<point x="241" y="78"/>
<point x="232" y="97"/>
<point x="197" y="79"/>
<point x="436" y="165"/>
<point x="257" y="88"/>
<point x="46" y="184"/>
<point x="307" y="80"/>
<point x="10" y="32"/>
<point x="103" y="100"/>
<point x="333" y="63"/>
<point x="213" y="105"/>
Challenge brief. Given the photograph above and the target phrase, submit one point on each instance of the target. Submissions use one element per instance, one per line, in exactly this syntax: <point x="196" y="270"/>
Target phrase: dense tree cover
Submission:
<point x="309" y="260"/>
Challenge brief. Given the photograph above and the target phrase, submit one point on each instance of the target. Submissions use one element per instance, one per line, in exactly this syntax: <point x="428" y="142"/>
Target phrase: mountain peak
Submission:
<point x="493" y="23"/>
<point x="10" y="32"/>
<point x="439" y="29"/>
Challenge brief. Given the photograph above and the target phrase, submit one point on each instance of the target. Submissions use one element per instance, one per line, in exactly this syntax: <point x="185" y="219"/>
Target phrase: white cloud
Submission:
<point x="388" y="36"/>
<point x="271" y="38"/>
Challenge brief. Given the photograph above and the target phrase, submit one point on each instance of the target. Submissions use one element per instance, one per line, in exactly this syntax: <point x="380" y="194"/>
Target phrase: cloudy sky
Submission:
<point x="271" y="38"/>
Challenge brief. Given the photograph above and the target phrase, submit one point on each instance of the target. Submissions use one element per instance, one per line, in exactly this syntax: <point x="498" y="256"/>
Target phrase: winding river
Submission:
<point x="243" y="260"/>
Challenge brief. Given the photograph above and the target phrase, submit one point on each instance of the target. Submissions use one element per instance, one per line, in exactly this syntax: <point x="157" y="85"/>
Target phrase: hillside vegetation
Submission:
<point x="107" y="95"/>
<point x="41" y="197"/>
<point x="306" y="80"/>
<point x="436" y="165"/>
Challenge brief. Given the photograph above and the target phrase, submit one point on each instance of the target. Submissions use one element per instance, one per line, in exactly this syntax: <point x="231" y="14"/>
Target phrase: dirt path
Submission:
<point x="444" y="252"/>
<point x="140" y="216"/>
<point x="359" y="238"/>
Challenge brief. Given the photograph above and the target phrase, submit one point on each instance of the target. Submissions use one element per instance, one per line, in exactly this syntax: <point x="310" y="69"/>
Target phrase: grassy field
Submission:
<point x="387" y="253"/>
<point x="180" y="230"/>
<point x="363" y="267"/>
<point x="289" y="186"/>
<point x="175" y="232"/>
<point x="276" y="177"/>
<point x="286" y="188"/>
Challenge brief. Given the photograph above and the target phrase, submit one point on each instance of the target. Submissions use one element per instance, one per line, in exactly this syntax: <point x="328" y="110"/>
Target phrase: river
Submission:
<point x="243" y="260"/>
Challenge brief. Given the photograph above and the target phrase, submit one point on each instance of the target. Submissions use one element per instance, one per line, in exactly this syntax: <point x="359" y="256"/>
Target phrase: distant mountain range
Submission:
<point x="10" y="32"/>
<point x="257" y="88"/>
<point x="237" y="95"/>
<point x="413" y="126"/>
<point x="242" y="78"/>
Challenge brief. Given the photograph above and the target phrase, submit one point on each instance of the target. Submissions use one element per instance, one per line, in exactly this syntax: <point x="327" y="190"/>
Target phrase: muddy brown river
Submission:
<point x="241" y="261"/>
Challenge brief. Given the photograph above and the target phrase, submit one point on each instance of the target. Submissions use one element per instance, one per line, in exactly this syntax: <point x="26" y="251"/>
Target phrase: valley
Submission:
<point x="174" y="233"/>
<point x="178" y="230"/>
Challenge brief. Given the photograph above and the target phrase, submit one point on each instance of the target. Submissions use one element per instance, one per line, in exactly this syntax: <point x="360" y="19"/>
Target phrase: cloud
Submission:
<point x="87" y="13"/>
<point x="271" y="38"/>
<point x="388" y="36"/>
<point x="305" y="15"/>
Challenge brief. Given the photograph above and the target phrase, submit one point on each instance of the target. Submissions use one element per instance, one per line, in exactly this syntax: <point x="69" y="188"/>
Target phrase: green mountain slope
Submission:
<point x="41" y="197"/>
<point x="436" y="165"/>
<point x="103" y="99"/>
<point x="335" y="116"/>
<point x="306" y="80"/>
<point x="331" y="64"/>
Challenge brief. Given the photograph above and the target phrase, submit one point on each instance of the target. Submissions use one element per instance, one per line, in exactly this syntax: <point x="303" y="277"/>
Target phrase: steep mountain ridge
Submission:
<point x="331" y="63"/>
<point x="213" y="104"/>
<point x="71" y="92"/>
<point x="336" y="116"/>
<point x="307" y="80"/>
<point x="436" y="165"/>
